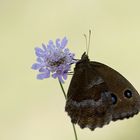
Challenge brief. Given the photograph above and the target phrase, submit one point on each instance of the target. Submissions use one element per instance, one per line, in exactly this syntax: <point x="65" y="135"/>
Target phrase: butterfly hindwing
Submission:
<point x="127" y="98"/>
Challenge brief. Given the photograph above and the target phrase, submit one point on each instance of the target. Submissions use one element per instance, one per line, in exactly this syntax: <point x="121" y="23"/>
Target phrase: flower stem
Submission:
<point x="63" y="90"/>
<point x="75" y="133"/>
<point x="74" y="129"/>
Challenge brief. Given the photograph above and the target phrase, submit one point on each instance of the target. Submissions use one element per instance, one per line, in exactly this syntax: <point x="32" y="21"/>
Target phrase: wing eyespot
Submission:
<point x="128" y="93"/>
<point x="114" y="98"/>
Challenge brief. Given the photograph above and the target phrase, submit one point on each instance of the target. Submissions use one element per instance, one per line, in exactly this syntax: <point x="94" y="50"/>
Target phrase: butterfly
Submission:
<point x="99" y="94"/>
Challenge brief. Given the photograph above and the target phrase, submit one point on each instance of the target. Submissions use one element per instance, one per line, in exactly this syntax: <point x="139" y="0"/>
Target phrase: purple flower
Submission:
<point x="53" y="59"/>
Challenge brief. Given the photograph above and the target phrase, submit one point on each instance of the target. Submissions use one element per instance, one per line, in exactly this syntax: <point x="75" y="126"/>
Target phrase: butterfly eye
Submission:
<point x="114" y="99"/>
<point x="128" y="93"/>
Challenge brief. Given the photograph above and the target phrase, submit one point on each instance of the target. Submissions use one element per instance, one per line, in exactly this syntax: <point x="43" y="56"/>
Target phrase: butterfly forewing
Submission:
<point x="86" y="97"/>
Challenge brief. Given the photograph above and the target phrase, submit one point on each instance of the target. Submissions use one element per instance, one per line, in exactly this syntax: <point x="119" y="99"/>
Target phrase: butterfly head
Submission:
<point x="84" y="59"/>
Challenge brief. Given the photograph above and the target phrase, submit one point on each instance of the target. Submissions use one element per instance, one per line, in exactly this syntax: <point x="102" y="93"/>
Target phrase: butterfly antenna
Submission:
<point x="88" y="41"/>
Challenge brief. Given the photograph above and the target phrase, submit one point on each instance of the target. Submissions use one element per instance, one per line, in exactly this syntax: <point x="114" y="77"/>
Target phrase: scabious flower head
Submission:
<point x="54" y="59"/>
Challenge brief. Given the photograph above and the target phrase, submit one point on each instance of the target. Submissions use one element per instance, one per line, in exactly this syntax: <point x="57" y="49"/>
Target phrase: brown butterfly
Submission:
<point x="99" y="94"/>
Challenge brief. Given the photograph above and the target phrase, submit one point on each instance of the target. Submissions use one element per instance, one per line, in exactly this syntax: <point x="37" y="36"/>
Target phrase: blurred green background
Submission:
<point x="34" y="110"/>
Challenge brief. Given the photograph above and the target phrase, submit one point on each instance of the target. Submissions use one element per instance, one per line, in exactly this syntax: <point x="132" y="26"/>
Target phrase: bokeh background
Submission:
<point x="34" y="110"/>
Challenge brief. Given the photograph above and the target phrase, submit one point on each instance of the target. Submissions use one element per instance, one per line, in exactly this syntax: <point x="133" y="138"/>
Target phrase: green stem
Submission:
<point x="75" y="133"/>
<point x="63" y="90"/>
<point x="74" y="129"/>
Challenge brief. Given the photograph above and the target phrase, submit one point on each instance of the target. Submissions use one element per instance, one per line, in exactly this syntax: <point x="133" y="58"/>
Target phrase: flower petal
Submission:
<point x="39" y="60"/>
<point x="44" y="70"/>
<point x="65" y="76"/>
<point x="58" y="43"/>
<point x="66" y="51"/>
<point x="39" y="52"/>
<point x="60" y="78"/>
<point x="50" y="43"/>
<point x="55" y="75"/>
<point x="64" y="42"/>
<point x="44" y="47"/>
<point x="36" y="66"/>
<point x="43" y="76"/>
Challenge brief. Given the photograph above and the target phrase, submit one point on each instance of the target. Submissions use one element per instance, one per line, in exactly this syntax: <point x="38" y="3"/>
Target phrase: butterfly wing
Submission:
<point x="88" y="99"/>
<point x="98" y="94"/>
<point x="126" y="98"/>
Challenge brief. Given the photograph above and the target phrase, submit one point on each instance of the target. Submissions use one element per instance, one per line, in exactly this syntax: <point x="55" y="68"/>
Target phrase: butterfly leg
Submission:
<point x="70" y="73"/>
